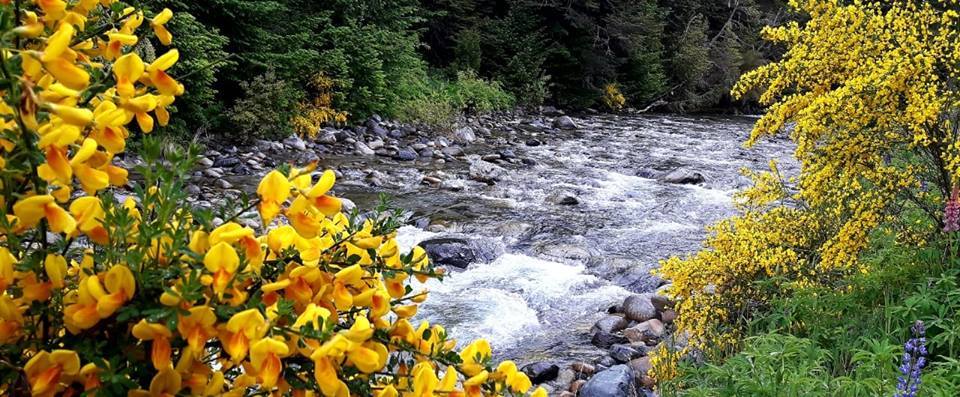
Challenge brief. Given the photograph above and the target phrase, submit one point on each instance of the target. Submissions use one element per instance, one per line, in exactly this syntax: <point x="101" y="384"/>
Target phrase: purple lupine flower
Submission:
<point x="914" y="359"/>
<point x="951" y="213"/>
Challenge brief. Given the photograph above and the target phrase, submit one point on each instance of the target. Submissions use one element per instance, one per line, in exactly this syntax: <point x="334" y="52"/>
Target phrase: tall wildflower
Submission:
<point x="914" y="359"/>
<point x="951" y="213"/>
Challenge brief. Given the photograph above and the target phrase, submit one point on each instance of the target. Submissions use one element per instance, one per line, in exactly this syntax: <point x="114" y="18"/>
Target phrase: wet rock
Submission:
<point x="453" y="185"/>
<point x="452" y="151"/>
<point x="576" y="385"/>
<point x="683" y="177"/>
<point x="226" y="162"/>
<point x="213" y="173"/>
<point x="193" y="190"/>
<point x="375" y="144"/>
<point x="426" y="152"/>
<point x="639" y="307"/>
<point x="464" y="135"/>
<point x="564" y="378"/>
<point x="363" y="149"/>
<point x="624" y="353"/>
<point x="581" y="367"/>
<point x="295" y="143"/>
<point x="347" y="205"/>
<point x="541" y="372"/>
<point x="507" y="154"/>
<point x="605" y="340"/>
<point x="491" y="157"/>
<point x="617" y="381"/>
<point x="205" y="161"/>
<point x="327" y="137"/>
<point x="565" y="123"/>
<point x="668" y="316"/>
<point x="405" y="155"/>
<point x="563" y="198"/>
<point x="486" y="172"/>
<point x="395" y="134"/>
<point x="431" y="180"/>
<point x="533" y="142"/>
<point x="564" y="252"/>
<point x="450" y="251"/>
<point x="640" y="366"/>
<point x="646" y="331"/>
<point x="223" y="184"/>
<point x="610" y="324"/>
<point x="528" y="161"/>
<point x="604" y="363"/>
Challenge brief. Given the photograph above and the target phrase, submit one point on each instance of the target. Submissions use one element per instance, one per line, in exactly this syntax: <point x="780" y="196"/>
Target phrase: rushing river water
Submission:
<point x="562" y="265"/>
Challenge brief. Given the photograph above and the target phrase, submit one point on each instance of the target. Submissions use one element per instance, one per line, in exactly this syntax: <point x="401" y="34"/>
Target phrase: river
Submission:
<point x="561" y="266"/>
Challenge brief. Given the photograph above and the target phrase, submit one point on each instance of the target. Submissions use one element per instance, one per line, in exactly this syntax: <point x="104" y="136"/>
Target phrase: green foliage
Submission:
<point x="846" y="338"/>
<point x="444" y="101"/>
<point x="467" y="54"/>
<point x="265" y="110"/>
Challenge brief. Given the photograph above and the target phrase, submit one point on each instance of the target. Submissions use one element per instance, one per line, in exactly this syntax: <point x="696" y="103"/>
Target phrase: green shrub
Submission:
<point x="265" y="110"/>
<point x="442" y="102"/>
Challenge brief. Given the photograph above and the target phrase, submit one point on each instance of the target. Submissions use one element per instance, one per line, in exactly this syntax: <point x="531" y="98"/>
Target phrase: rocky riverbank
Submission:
<point x="545" y="221"/>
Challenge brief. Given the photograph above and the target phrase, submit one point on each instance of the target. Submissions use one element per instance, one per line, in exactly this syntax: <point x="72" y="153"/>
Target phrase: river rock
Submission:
<point x="533" y="142"/>
<point x="576" y="385"/>
<point x="683" y="177"/>
<point x="453" y="185"/>
<point x="640" y="366"/>
<point x="565" y="123"/>
<point x="563" y="198"/>
<point x="213" y="173"/>
<point x="223" y="184"/>
<point x="456" y="252"/>
<point x="610" y="324"/>
<point x="226" y="162"/>
<point x="363" y="149"/>
<point x="464" y="135"/>
<point x="193" y="190"/>
<point x="639" y="308"/>
<point x="583" y="368"/>
<point x="541" y="372"/>
<point x="486" y="172"/>
<point x="646" y="331"/>
<point x="668" y="316"/>
<point x="205" y="161"/>
<point x="295" y="143"/>
<point x="405" y="155"/>
<point x="452" y="151"/>
<point x="327" y="137"/>
<point x="624" y="353"/>
<point x="605" y="340"/>
<point x="551" y="111"/>
<point x="617" y="381"/>
<point x="375" y="144"/>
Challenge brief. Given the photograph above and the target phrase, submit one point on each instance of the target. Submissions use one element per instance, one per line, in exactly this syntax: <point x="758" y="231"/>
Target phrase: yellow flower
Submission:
<point x="31" y="209"/>
<point x="221" y="260"/>
<point x="160" y="351"/>
<point x="242" y="328"/>
<point x="274" y="189"/>
<point x="127" y="70"/>
<point x="159" y="77"/>
<point x="56" y="269"/>
<point x="161" y="31"/>
<point x="265" y="359"/>
<point x="166" y="383"/>
<point x="197" y="327"/>
<point x="474" y="356"/>
<point x="45" y="370"/>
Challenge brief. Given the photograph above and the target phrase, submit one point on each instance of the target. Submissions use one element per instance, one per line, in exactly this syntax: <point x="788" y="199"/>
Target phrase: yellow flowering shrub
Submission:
<point x="868" y="92"/>
<point x="612" y="97"/>
<point x="316" y="113"/>
<point x="144" y="296"/>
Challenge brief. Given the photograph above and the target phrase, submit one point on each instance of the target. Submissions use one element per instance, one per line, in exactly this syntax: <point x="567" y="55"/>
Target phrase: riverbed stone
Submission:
<point x="624" y="353"/>
<point x="605" y="340"/>
<point x="638" y="307"/>
<point x="584" y="368"/>
<point x="405" y="155"/>
<point x="617" y="381"/>
<point x="541" y="372"/>
<point x="486" y="172"/>
<point x="565" y="123"/>
<point x="668" y="316"/>
<point x="327" y="137"/>
<point x="464" y="135"/>
<point x="295" y="143"/>
<point x="683" y="177"/>
<point x="448" y="251"/>
<point x="646" y="331"/>
<point x="610" y="324"/>
<point x="453" y="185"/>
<point x="640" y="366"/>
<point x="363" y="149"/>
<point x="563" y="197"/>
<point x="576" y="385"/>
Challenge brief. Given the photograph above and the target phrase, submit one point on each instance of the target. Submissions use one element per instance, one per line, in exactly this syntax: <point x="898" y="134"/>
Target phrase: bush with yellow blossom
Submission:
<point x="868" y="92"/>
<point x="612" y="97"/>
<point x="142" y="295"/>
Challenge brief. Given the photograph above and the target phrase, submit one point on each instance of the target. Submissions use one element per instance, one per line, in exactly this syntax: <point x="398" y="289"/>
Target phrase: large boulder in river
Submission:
<point x="486" y="172"/>
<point x="683" y="177"/>
<point x="617" y="381"/>
<point x="541" y="372"/>
<point x="458" y="252"/>
<point x="610" y="324"/>
<point x="639" y="307"/>
<point x="565" y="123"/>
<point x="464" y="135"/>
